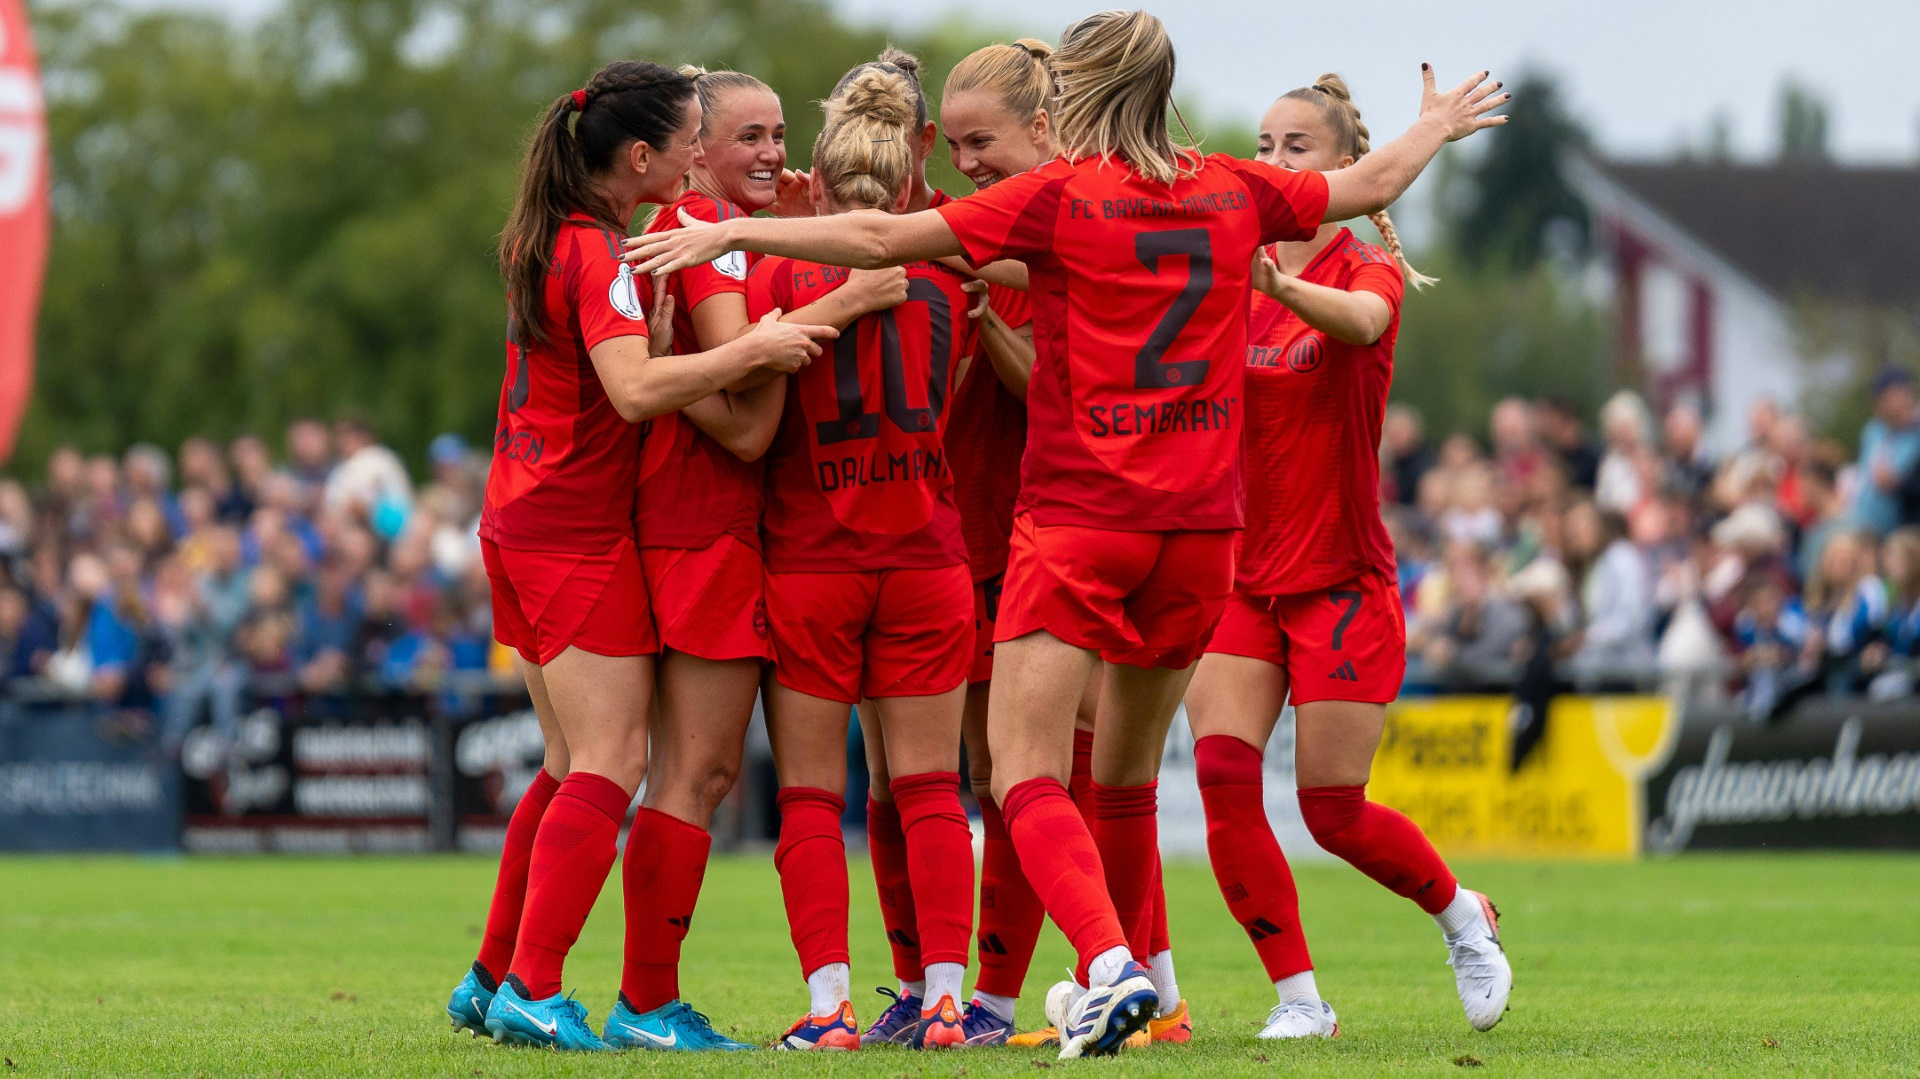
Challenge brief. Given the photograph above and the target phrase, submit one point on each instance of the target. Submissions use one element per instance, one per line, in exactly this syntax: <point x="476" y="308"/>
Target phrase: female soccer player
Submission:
<point x="1131" y="484"/>
<point x="1315" y="612"/>
<point x="556" y="525"/>
<point x="866" y="584"/>
<point x="697" y="518"/>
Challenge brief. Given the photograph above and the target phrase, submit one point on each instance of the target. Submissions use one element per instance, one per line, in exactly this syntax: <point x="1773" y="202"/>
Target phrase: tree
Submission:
<point x="1803" y="124"/>
<point x="1513" y="196"/>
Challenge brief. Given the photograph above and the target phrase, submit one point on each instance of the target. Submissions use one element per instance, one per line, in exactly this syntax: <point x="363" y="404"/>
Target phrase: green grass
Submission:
<point x="291" y="966"/>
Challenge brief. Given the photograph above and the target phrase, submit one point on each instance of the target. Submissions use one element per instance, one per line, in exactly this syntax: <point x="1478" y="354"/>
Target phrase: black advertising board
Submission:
<point x="495" y="756"/>
<point x="1838" y="774"/>
<point x="320" y="773"/>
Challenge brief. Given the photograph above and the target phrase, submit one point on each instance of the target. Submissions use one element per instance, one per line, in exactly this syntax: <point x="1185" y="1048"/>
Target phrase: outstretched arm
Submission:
<point x="1354" y="318"/>
<point x="1376" y="180"/>
<point x="862" y="240"/>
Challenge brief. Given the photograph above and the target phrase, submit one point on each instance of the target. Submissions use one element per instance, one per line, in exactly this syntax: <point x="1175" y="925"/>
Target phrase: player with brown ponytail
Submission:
<point x="1315" y="614"/>
<point x="583" y="369"/>
<point x="1140" y="256"/>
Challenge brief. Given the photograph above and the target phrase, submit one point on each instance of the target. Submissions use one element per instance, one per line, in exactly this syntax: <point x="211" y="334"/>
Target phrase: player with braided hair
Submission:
<point x="868" y="594"/>
<point x="556" y="530"/>
<point x="1139" y="253"/>
<point x="1315" y="614"/>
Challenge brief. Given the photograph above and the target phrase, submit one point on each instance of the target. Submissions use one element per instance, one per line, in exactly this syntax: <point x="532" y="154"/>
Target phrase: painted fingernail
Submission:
<point x="1426" y="67"/>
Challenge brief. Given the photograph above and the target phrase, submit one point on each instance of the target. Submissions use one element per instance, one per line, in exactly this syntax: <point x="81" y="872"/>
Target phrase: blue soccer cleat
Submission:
<point x="471" y="998"/>
<point x="672" y="1026"/>
<point x="1100" y="1022"/>
<point x="898" y="1025"/>
<point x="554" y="1023"/>
<point x="982" y="1027"/>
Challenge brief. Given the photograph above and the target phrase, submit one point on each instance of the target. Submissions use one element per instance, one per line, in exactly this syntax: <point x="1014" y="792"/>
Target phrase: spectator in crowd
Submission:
<point x="1619" y="485"/>
<point x="1776" y="647"/>
<point x="1889" y="450"/>
<point x="27" y="642"/>
<point x="1406" y="455"/>
<point x="1616" y="592"/>
<point x="1747" y="547"/>
<point x="1826" y="514"/>
<point x="1689" y="468"/>
<point x="1848" y="602"/>
<point x="309" y="455"/>
<point x="1516" y="446"/>
<point x="1888" y="660"/>
<point x="1477" y="625"/>
<point x="251" y="467"/>
<point x="369" y="481"/>
<point x="1566" y="435"/>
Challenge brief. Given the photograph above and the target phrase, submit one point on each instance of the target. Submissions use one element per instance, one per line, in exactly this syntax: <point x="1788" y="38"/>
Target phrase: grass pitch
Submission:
<point x="293" y="966"/>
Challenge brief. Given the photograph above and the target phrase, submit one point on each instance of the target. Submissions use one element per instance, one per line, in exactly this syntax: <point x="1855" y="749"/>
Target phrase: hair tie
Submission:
<point x="579" y="101"/>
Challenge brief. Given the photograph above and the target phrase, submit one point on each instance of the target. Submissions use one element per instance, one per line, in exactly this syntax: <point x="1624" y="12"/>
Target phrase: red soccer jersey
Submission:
<point x="563" y="459"/>
<point x="986" y="437"/>
<point x="857" y="477"/>
<point x="1314" y="409"/>
<point x="1139" y="295"/>
<point x="692" y="490"/>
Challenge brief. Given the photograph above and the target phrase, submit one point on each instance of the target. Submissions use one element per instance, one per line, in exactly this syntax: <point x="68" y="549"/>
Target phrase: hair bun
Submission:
<point x="693" y="71"/>
<point x="1334" y="86"/>
<point x="903" y="60"/>
<point x="1035" y="48"/>
<point x="880" y="95"/>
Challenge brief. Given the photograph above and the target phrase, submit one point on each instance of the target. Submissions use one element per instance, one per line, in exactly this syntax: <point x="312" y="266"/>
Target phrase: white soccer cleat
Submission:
<point x="1300" y="1019"/>
<point x="1102" y="1020"/>
<point x="1480" y="968"/>
<point x="1060" y="1000"/>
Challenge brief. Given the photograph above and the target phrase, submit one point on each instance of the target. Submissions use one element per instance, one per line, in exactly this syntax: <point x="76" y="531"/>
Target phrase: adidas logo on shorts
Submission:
<point x="1345" y="672"/>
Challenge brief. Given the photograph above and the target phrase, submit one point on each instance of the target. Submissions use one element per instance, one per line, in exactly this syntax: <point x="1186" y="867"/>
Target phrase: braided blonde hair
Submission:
<point x="1019" y="74"/>
<point x="1329" y="92"/>
<point x="864" y="156"/>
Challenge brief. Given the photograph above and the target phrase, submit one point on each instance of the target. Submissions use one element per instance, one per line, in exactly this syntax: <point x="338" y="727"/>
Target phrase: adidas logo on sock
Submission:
<point x="1261" y="929"/>
<point x="902" y="938"/>
<point x="1345" y="672"/>
<point x="990" y="944"/>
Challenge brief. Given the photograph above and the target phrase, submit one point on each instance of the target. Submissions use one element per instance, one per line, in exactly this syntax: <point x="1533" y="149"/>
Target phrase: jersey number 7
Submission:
<point x="1149" y="373"/>
<point x="854" y="422"/>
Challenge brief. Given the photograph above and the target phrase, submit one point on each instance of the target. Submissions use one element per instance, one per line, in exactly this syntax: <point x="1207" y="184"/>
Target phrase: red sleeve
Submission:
<point x="606" y="297"/>
<point x="1013" y="219"/>
<point x="1381" y="279"/>
<point x="728" y="273"/>
<point x="1291" y="204"/>
<point x="770" y="285"/>
<point x="1010" y="304"/>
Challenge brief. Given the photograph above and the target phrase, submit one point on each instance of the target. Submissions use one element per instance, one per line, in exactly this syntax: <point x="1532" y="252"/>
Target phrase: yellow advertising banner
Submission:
<point x="1446" y="763"/>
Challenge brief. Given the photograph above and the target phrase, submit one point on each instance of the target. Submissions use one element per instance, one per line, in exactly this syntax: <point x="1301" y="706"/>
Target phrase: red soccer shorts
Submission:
<point x="871" y="633"/>
<point x="986" y="611"/>
<point x="707" y="602"/>
<point x="1146" y="599"/>
<point x="544" y="601"/>
<point x="1345" y="643"/>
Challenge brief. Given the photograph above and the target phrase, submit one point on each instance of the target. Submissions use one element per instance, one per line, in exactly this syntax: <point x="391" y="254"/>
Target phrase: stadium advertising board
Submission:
<point x="494" y="759"/>
<point x="346" y="773"/>
<point x="1838" y="774"/>
<point x="71" y="778"/>
<point x="1446" y="762"/>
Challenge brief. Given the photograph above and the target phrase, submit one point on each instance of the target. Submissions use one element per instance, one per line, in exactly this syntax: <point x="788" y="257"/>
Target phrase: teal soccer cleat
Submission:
<point x="672" y="1026"/>
<point x="471" y="998"/>
<point x="554" y="1023"/>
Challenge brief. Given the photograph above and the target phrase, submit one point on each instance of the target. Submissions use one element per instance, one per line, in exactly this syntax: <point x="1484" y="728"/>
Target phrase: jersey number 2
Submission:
<point x="854" y="420"/>
<point x="1149" y="372"/>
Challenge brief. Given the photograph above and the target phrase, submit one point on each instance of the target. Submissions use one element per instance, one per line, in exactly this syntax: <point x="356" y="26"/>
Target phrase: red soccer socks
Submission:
<point x="572" y="852"/>
<point x="665" y="863"/>
<point x="1379" y="842"/>
<point x="812" y="860"/>
<point x="1061" y="862"/>
<point x="1247" y="861"/>
<point x="939" y="848"/>
<point x="887" y="847"/>
<point x="510" y="887"/>
<point x="1126" y="830"/>
<point x="1010" y="914"/>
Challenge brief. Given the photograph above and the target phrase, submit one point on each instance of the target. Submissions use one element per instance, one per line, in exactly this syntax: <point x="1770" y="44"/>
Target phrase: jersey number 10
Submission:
<point x="854" y="421"/>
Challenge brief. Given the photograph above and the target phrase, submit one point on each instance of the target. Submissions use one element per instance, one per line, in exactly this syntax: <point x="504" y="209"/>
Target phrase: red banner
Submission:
<point x="24" y="217"/>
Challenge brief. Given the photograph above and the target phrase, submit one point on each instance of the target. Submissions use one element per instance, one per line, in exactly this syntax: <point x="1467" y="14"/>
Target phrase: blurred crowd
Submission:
<point x="1556" y="554"/>
<point x="1551" y="557"/>
<point x="165" y="584"/>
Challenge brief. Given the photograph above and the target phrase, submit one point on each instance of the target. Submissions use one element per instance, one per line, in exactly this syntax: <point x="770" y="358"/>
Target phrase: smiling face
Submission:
<point x="1295" y="135"/>
<point x="987" y="142"/>
<point x="744" y="149"/>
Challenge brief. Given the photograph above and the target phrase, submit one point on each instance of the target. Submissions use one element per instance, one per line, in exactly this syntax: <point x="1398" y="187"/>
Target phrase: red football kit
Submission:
<point x="1138" y="292"/>
<point x="1314" y="587"/>
<point x="556" y="527"/>
<point x="867" y="585"/>
<point x="697" y="512"/>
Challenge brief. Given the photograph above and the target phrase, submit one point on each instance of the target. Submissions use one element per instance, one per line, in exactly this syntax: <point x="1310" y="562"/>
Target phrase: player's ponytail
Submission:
<point x="864" y="157"/>
<point x="1020" y="75"/>
<point x="714" y="86"/>
<point x="577" y="139"/>
<point x="1113" y="76"/>
<point x="1330" y="95"/>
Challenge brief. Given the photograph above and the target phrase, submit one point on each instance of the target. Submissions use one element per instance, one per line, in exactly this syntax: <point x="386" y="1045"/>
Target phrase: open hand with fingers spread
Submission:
<point x="1464" y="109"/>
<point x="785" y="347"/>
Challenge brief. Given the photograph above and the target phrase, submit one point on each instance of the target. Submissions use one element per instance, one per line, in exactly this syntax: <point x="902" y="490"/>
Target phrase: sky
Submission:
<point x="1647" y="76"/>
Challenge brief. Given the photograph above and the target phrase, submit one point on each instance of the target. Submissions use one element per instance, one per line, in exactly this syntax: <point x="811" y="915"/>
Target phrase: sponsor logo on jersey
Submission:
<point x="1306" y="354"/>
<point x="624" y="297"/>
